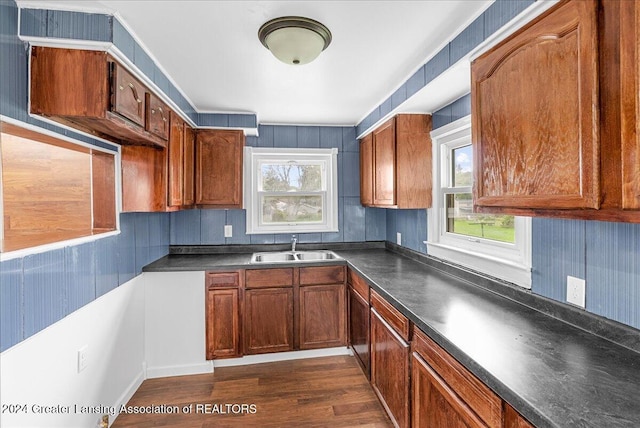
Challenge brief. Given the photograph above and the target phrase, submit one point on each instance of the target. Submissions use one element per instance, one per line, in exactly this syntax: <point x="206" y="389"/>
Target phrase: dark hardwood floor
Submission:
<point x="313" y="392"/>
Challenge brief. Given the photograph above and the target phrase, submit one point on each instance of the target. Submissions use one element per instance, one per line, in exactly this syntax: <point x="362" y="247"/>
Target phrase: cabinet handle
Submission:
<point x="135" y="93"/>
<point x="164" y="119"/>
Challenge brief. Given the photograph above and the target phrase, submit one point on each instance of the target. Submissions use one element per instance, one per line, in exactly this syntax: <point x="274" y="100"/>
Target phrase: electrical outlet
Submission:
<point x="83" y="358"/>
<point x="576" y="291"/>
<point x="228" y="231"/>
<point x="399" y="238"/>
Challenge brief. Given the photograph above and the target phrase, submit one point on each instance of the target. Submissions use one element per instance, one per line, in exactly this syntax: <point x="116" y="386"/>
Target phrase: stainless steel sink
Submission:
<point x="274" y="257"/>
<point x="294" y="256"/>
<point x="308" y="256"/>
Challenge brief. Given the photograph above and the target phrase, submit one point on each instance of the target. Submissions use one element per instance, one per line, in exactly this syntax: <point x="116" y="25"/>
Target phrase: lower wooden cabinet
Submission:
<point x="390" y="369"/>
<point x="445" y="393"/>
<point x="223" y="338"/>
<point x="513" y="419"/>
<point x="256" y="311"/>
<point x="223" y="314"/>
<point x="322" y="316"/>
<point x="359" y="325"/>
<point x="321" y="300"/>
<point x="268" y="320"/>
<point x="359" y="330"/>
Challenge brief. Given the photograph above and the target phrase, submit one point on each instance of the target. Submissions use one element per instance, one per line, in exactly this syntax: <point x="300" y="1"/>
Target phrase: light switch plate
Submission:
<point x="399" y="238"/>
<point x="83" y="358"/>
<point x="228" y="231"/>
<point x="576" y="291"/>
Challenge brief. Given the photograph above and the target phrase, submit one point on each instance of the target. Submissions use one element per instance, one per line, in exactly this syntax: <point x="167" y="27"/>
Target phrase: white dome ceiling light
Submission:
<point x="294" y="40"/>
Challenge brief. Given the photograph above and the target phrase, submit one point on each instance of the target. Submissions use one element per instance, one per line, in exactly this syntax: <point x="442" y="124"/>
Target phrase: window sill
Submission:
<point x="507" y="270"/>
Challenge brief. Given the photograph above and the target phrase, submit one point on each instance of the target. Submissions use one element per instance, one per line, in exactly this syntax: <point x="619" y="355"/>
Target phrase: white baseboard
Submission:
<point x="282" y="356"/>
<point x="187" y="369"/>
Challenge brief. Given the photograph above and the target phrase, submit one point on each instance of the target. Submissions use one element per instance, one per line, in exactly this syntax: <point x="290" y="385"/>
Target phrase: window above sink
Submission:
<point x="291" y="190"/>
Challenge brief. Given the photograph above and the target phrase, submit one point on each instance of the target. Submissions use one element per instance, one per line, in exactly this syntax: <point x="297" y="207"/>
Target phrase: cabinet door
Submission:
<point x="384" y="156"/>
<point x="434" y="404"/>
<point x="630" y="103"/>
<point x="188" y="184"/>
<point x="322" y="316"/>
<point x="219" y="168"/>
<point x="535" y="122"/>
<point x="366" y="170"/>
<point x="175" y="161"/>
<point x="268" y="320"/>
<point x="128" y="95"/>
<point x="390" y="370"/>
<point x="157" y="120"/>
<point x="513" y="419"/>
<point x="223" y="326"/>
<point x="359" y="330"/>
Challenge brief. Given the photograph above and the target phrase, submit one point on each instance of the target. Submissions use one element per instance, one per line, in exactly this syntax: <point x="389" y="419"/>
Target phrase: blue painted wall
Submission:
<point x="356" y="223"/>
<point x="40" y="289"/>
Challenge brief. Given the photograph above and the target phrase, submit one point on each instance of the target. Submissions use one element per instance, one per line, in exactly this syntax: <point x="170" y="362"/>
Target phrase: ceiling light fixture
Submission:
<point x="294" y="39"/>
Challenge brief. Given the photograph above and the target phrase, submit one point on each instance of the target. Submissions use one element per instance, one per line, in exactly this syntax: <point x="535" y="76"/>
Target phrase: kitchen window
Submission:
<point x="291" y="190"/>
<point x="499" y="245"/>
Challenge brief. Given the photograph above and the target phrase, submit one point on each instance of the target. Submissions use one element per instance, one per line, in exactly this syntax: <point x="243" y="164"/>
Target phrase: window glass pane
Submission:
<point x="462" y="220"/>
<point x="288" y="209"/>
<point x="290" y="177"/>
<point x="462" y="168"/>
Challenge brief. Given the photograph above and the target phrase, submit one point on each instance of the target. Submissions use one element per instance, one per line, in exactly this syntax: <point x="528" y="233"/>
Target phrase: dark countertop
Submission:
<point x="553" y="373"/>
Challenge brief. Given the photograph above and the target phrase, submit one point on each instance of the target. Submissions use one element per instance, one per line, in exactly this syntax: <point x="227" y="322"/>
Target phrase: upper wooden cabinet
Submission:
<point x="188" y="171"/>
<point x="366" y="170"/>
<point x="157" y="117"/>
<point x="548" y="134"/>
<point x="629" y="85"/>
<point x="175" y="162"/>
<point x="395" y="163"/>
<point x="88" y="90"/>
<point x="218" y="170"/>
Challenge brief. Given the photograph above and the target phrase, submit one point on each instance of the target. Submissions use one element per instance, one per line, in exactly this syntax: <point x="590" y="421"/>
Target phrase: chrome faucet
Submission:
<point x="294" y="240"/>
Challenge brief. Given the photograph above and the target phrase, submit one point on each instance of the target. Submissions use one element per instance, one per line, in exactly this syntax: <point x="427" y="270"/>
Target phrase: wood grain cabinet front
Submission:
<point x="358" y="316"/>
<point x="390" y="369"/>
<point x="223" y="302"/>
<point x="395" y="163"/>
<point x="445" y="393"/>
<point x="218" y="171"/>
<point x="322" y="307"/>
<point x="90" y="91"/>
<point x="175" y="162"/>
<point x="555" y="113"/>
<point x="157" y="116"/>
<point x="268" y="320"/>
<point x="268" y="310"/>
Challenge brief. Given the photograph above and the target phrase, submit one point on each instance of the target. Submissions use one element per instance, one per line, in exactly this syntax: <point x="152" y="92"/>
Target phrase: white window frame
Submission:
<point x="255" y="156"/>
<point x="510" y="262"/>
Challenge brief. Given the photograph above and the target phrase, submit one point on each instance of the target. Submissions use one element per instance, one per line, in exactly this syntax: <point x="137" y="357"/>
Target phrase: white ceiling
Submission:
<point x="211" y="51"/>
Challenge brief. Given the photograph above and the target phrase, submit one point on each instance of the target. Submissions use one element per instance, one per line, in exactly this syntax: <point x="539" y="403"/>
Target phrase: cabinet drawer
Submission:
<point x="322" y="275"/>
<point x="482" y="400"/>
<point x="157" y="120"/>
<point x="265" y="278"/>
<point x="391" y="315"/>
<point x="222" y="279"/>
<point x="128" y="95"/>
<point x="358" y="284"/>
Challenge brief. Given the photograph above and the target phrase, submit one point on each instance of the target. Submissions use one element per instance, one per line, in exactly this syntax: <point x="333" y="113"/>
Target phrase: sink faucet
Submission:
<point x="294" y="240"/>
